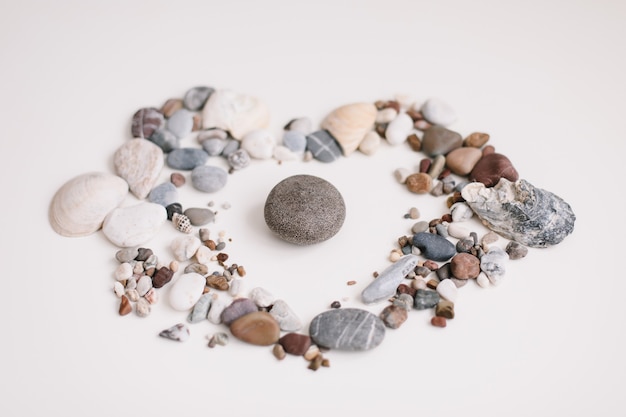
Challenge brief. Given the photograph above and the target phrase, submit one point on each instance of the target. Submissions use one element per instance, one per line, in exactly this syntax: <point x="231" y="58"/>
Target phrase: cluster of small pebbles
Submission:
<point x="428" y="266"/>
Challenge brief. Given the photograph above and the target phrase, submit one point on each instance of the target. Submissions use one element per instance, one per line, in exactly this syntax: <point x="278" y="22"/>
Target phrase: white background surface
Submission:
<point x="544" y="78"/>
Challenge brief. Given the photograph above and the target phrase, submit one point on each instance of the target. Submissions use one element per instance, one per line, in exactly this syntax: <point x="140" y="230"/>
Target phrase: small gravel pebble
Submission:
<point x="219" y="338"/>
<point x="438" y="321"/>
<point x="516" y="250"/>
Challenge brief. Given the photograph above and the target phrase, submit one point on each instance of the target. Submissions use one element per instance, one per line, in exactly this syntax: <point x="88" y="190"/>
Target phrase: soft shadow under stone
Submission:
<point x="304" y="209"/>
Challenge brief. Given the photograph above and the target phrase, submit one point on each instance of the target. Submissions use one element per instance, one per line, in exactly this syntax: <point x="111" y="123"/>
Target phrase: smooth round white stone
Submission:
<point x="438" y="112"/>
<point x="447" y="290"/>
<point x="398" y="129"/>
<point x="134" y="225"/>
<point x="457" y="230"/>
<point x="186" y="291"/>
<point x="203" y="254"/>
<point x="259" y="143"/>
<point x="370" y="143"/>
<point x="184" y="247"/>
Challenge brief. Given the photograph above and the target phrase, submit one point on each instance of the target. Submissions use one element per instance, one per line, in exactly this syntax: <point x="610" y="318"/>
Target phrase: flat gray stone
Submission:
<point x="386" y="284"/>
<point x="196" y="97"/>
<point x="323" y="146"/>
<point x="199" y="216"/>
<point x="347" y="329"/>
<point x="164" y="194"/>
<point x="304" y="209"/>
<point x="186" y="158"/>
<point x="165" y="140"/>
<point x="180" y="123"/>
<point x="434" y="247"/>
<point x="208" y="178"/>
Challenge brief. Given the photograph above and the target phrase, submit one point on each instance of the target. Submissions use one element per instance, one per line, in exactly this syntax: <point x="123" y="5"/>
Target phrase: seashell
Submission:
<point x="234" y="112"/>
<point x="79" y="207"/>
<point x="182" y="223"/>
<point x="134" y="225"/>
<point x="521" y="212"/>
<point x="139" y="162"/>
<point x="349" y="123"/>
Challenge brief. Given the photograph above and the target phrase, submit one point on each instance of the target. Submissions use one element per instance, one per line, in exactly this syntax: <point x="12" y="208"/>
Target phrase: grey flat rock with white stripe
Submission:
<point x="323" y="146"/>
<point x="347" y="329"/>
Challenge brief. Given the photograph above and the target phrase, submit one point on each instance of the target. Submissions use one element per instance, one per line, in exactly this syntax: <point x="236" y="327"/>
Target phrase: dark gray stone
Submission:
<point x="186" y="158"/>
<point x="164" y="194"/>
<point x="521" y="212"/>
<point x="323" y="146"/>
<point x="173" y="208"/>
<point x="434" y="247"/>
<point x="304" y="209"/>
<point x="196" y="97"/>
<point x="425" y="299"/>
<point x="208" y="178"/>
<point x="347" y="329"/>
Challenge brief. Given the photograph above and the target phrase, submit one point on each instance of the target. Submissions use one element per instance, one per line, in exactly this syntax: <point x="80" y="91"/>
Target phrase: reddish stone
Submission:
<point x="465" y="266"/>
<point x="295" y="344"/>
<point x="438" y="321"/>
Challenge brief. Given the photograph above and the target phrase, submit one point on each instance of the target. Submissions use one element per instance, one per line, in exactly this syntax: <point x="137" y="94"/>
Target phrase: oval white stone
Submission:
<point x="259" y="143"/>
<point x="399" y="128"/>
<point x="438" y="112"/>
<point x="134" y="225"/>
<point x="186" y="291"/>
<point x="447" y="290"/>
<point x="184" y="247"/>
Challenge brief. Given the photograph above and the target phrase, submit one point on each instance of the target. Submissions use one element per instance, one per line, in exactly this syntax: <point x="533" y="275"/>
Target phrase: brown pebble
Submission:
<point x="445" y="309"/>
<point x="393" y="316"/>
<point x="316" y="362"/>
<point x="425" y="165"/>
<point x="414" y="142"/>
<point x="125" y="306"/>
<point x="415" y="114"/>
<point x="258" y="328"/>
<point x="241" y="271"/>
<point x="381" y="128"/>
<point x="432" y="265"/>
<point x="438" y="321"/>
<point x="465" y="266"/>
<point x="405" y="289"/>
<point x="197" y="122"/>
<point x="476" y="140"/>
<point x="222" y="257"/>
<point x="446" y="218"/>
<point x="171" y="106"/>
<point x="219" y="282"/>
<point x="177" y="179"/>
<point x="210" y="244"/>
<point x="295" y="343"/>
<point x="352" y="282"/>
<point x="491" y="168"/>
<point x="461" y="161"/>
<point x="279" y="352"/>
<point x="422" y="125"/>
<point x="419" y="183"/>
<point x="174" y="265"/>
<point x="488" y="150"/>
<point x="162" y="277"/>
<point x="432" y="283"/>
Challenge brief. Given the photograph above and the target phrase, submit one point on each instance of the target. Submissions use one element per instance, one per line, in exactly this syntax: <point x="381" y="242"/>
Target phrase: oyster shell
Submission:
<point x="79" y="207"/>
<point x="350" y="123"/>
<point x="521" y="212"/>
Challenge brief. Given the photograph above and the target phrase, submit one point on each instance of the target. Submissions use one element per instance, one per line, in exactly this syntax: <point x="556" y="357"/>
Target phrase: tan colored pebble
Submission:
<point x="219" y="282"/>
<point x="476" y="140"/>
<point x="241" y="271"/>
<point x="461" y="161"/>
<point x="152" y="296"/>
<point x="414" y="213"/>
<point x="174" y="265"/>
<point x="418" y="284"/>
<point x="316" y="362"/>
<point x="394" y="256"/>
<point x="258" y="328"/>
<point x="171" y="106"/>
<point x="311" y="352"/>
<point x="432" y="283"/>
<point x="401" y="174"/>
<point x="488" y="238"/>
<point x="414" y="142"/>
<point x="279" y="352"/>
<point x="419" y="183"/>
<point x="197" y="122"/>
<point x="352" y="282"/>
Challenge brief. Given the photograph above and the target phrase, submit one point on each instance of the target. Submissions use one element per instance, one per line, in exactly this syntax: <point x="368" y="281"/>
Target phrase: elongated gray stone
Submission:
<point x="522" y="212"/>
<point x="347" y="329"/>
<point x="186" y="158"/>
<point x="385" y="285"/>
<point x="434" y="247"/>
<point x="201" y="309"/>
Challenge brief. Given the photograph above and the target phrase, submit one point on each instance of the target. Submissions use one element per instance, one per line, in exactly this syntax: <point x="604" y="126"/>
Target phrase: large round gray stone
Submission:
<point x="304" y="209"/>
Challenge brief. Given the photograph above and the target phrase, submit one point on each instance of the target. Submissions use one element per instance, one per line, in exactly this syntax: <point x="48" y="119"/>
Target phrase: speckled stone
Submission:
<point x="208" y="178"/>
<point x="304" y="209"/>
<point x="186" y="158"/>
<point x="349" y="329"/>
<point x="425" y="299"/>
<point x="516" y="250"/>
<point x="465" y="266"/>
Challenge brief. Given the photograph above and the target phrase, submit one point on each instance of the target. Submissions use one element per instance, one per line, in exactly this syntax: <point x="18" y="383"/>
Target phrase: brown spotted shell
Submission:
<point x="182" y="223"/>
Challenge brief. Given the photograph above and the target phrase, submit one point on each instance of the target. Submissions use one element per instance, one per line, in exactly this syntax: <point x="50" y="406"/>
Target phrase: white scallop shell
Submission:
<point x="234" y="112"/>
<point x="79" y="207"/>
<point x="349" y="124"/>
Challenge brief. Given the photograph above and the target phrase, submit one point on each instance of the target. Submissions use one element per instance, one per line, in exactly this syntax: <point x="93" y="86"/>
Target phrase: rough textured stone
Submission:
<point x="139" y="162"/>
<point x="419" y="183"/>
<point x="516" y="250"/>
<point x="393" y="316"/>
<point x="304" y="209"/>
<point x="464" y="266"/>
<point x="426" y="299"/>
<point x="519" y="211"/>
<point x="347" y="329"/>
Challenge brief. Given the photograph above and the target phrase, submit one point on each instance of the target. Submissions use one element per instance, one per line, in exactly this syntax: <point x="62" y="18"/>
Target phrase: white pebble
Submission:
<point x="438" y="112"/>
<point x="123" y="271"/>
<point x="184" y="247"/>
<point x="218" y="304"/>
<point x="118" y="289"/>
<point x="447" y="290"/>
<point x="458" y="230"/>
<point x="203" y="255"/>
<point x="284" y="154"/>
<point x="286" y="318"/>
<point x="461" y="212"/>
<point x="262" y="297"/>
<point x="143" y="307"/>
<point x="370" y="143"/>
<point x="143" y="285"/>
<point x="186" y="290"/>
<point x="132" y="295"/>
<point x="386" y="115"/>
<point x="482" y="280"/>
<point x="398" y="130"/>
<point x="236" y="287"/>
<point x="259" y="143"/>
